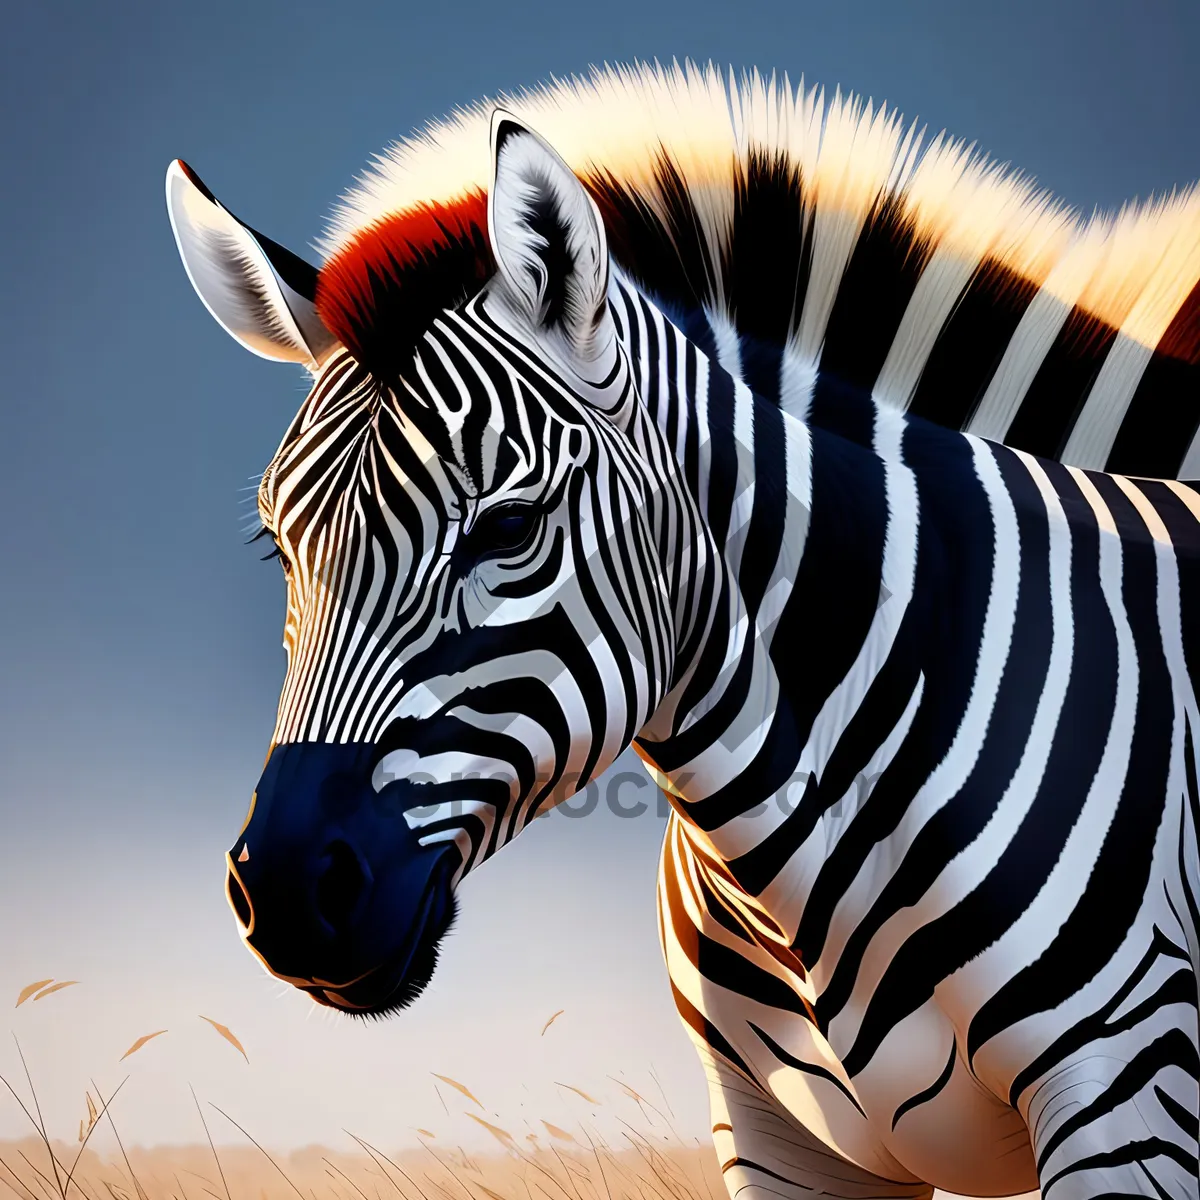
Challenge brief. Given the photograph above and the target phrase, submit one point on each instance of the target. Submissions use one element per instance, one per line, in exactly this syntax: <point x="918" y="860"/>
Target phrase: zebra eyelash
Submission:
<point x="278" y="553"/>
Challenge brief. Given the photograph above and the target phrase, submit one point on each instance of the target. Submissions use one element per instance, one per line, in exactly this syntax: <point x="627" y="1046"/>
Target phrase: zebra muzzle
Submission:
<point x="331" y="888"/>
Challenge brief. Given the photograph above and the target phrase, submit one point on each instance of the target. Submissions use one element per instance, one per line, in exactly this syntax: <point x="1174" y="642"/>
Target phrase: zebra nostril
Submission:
<point x="340" y="886"/>
<point x="238" y="900"/>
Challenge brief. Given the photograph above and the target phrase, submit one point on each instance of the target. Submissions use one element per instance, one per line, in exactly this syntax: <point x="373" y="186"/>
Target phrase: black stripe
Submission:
<point x="873" y="294"/>
<point x="769" y="256"/>
<point x="825" y="623"/>
<point x="766" y="774"/>
<point x="1184" y="1118"/>
<point x="1165" y="410"/>
<point x="725" y="967"/>
<point x="697" y="328"/>
<point x="764" y="537"/>
<point x="971" y="344"/>
<point x="1058" y="391"/>
<point x="695" y="1020"/>
<point x="761" y="366"/>
<point x="798" y="1064"/>
<point x="842" y="408"/>
<point x="748" y="1164"/>
<point x="932" y="1090"/>
<point x="1184" y="532"/>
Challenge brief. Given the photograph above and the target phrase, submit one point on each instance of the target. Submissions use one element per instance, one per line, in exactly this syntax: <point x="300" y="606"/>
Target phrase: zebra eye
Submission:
<point x="505" y="527"/>
<point x="284" y="561"/>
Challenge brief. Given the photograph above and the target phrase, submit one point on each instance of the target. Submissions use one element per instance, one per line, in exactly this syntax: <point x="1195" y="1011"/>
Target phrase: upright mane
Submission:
<point x="807" y="239"/>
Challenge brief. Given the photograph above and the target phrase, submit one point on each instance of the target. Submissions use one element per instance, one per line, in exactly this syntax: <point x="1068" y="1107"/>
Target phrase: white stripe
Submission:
<point x="929" y="308"/>
<point x="725" y="337"/>
<point x="1097" y="426"/>
<point x="1190" y="468"/>
<point x="797" y="379"/>
<point x="1023" y="357"/>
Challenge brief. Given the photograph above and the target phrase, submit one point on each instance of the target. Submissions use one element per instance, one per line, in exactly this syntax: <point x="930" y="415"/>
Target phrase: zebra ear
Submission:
<point x="261" y="293"/>
<point x="548" y="238"/>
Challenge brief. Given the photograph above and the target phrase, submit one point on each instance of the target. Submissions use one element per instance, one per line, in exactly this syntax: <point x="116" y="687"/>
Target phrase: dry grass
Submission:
<point x="640" y="1171"/>
<point x="316" y="1173"/>
<point x="649" y="1162"/>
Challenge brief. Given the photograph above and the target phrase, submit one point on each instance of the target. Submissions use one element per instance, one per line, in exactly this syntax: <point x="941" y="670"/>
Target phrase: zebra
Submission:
<point x="837" y="471"/>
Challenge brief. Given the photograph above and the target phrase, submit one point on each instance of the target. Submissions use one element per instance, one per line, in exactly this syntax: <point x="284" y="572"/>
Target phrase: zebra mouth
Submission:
<point x="395" y="983"/>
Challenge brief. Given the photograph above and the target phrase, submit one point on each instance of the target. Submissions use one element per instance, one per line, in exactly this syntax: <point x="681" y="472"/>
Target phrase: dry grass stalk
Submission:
<point x="583" y="1166"/>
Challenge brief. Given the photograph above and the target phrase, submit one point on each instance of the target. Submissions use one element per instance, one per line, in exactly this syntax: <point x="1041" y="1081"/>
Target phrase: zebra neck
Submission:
<point x="804" y="563"/>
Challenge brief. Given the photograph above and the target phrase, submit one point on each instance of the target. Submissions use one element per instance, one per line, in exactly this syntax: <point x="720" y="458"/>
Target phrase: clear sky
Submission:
<point x="140" y="650"/>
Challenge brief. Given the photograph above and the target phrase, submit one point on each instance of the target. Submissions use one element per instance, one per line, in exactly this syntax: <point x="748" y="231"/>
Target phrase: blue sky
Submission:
<point x="139" y="639"/>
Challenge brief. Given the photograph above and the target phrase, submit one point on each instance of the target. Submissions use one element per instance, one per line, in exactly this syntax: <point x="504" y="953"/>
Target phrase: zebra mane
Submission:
<point x="814" y="234"/>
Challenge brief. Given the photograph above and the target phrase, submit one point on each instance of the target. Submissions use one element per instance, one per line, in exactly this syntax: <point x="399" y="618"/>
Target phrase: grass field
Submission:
<point x="532" y="1161"/>
<point x="433" y="1173"/>
<point x="563" y="1166"/>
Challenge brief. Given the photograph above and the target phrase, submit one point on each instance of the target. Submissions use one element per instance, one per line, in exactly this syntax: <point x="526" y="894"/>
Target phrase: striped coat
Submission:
<point x="745" y="428"/>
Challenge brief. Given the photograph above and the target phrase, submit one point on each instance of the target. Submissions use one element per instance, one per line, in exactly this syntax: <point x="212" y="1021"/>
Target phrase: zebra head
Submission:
<point x="478" y="612"/>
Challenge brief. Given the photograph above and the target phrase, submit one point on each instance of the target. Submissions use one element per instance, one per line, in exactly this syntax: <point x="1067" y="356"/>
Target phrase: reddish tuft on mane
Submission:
<point x="384" y="288"/>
